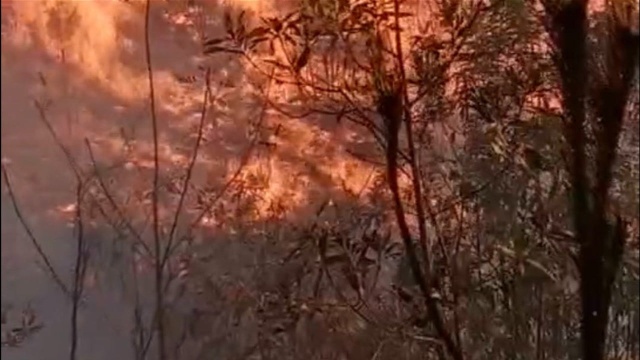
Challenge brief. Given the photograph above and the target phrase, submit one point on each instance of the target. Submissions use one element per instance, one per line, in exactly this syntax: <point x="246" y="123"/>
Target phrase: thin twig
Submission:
<point x="190" y="167"/>
<point x="79" y="272"/>
<point x="107" y="193"/>
<point x="45" y="120"/>
<point x="36" y="244"/>
<point x="139" y="343"/>
<point x="423" y="278"/>
<point x="244" y="160"/>
<point x="159" y="295"/>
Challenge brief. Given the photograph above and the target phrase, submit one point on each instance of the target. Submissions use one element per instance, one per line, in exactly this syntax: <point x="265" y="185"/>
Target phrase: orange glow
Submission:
<point x="97" y="47"/>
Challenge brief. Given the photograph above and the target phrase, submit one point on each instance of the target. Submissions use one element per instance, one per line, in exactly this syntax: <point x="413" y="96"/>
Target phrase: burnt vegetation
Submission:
<point x="500" y="220"/>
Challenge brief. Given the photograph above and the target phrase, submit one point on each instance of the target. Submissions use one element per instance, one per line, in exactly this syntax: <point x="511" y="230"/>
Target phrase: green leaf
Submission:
<point x="258" y="32"/>
<point x="520" y="245"/>
<point x="277" y="64"/>
<point x="212" y="42"/>
<point x="336" y="259"/>
<point x="497" y="149"/>
<point x="228" y="23"/>
<point x="303" y="59"/>
<point x="542" y="268"/>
